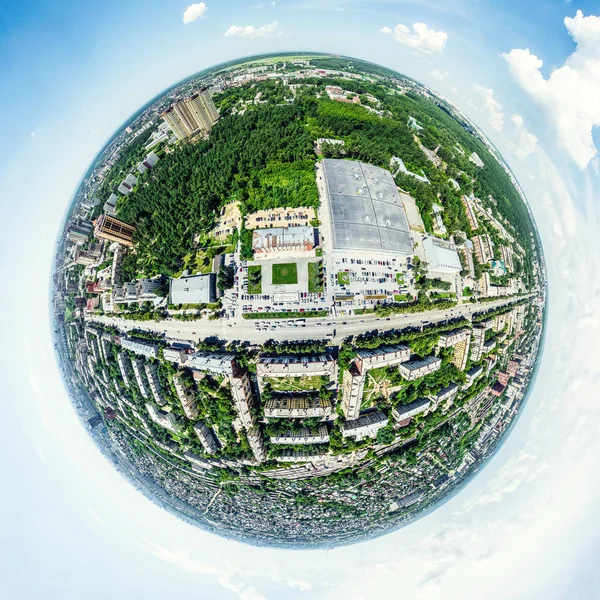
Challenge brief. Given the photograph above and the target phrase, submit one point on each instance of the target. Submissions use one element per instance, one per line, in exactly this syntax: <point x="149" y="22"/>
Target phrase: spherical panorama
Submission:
<point x="298" y="299"/>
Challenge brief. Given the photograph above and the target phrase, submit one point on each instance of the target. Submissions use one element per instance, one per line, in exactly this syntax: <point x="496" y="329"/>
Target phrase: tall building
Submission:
<point x="108" y="228"/>
<point x="193" y="114"/>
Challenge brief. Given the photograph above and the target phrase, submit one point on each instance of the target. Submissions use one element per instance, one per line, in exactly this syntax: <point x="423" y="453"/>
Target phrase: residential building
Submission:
<point x="304" y="435"/>
<point x="78" y="234"/>
<point x="186" y="397"/>
<point x="138" y="365"/>
<point x="191" y="115"/>
<point x="165" y="419"/>
<point x="155" y="385"/>
<point x="414" y="369"/>
<point x="292" y="407"/>
<point x="148" y="162"/>
<point x="175" y="355"/>
<point x="474" y="158"/>
<point x="107" y="227"/>
<point x="472" y="375"/>
<point x="147" y="349"/>
<point x="206" y="437"/>
<point x="241" y="393"/>
<point x="296" y="366"/>
<point x="256" y="444"/>
<point x="301" y="456"/>
<point x="367" y="425"/>
<point x="470" y="211"/>
<point x="222" y="363"/>
<point x="460" y="339"/>
<point x="111" y="204"/>
<point x="127" y="185"/>
<point x="407" y="411"/>
<point x="483" y="248"/>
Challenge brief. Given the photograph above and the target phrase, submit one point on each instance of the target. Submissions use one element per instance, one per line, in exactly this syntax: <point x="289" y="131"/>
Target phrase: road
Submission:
<point x="343" y="326"/>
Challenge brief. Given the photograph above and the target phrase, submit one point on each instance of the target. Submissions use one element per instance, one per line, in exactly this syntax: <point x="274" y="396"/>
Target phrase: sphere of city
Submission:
<point x="299" y="299"/>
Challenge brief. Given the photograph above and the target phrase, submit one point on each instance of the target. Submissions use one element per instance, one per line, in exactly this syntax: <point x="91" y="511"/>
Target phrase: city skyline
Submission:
<point x="511" y="505"/>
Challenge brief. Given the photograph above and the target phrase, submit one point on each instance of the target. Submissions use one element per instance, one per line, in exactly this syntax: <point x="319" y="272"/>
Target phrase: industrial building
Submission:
<point x="366" y="212"/>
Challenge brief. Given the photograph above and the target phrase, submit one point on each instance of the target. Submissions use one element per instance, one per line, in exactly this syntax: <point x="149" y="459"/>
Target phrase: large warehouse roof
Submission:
<point x="365" y="208"/>
<point x="442" y="256"/>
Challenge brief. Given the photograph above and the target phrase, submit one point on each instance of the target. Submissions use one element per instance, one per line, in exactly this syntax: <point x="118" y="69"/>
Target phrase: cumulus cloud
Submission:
<point x="249" y="31"/>
<point x="439" y="75"/>
<point x="524" y="141"/>
<point x="421" y="39"/>
<point x="571" y="94"/>
<point x="194" y="11"/>
<point x="492" y="107"/>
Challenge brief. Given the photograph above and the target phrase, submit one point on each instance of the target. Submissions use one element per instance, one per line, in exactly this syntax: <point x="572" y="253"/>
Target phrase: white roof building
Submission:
<point x="195" y="289"/>
<point x="222" y="363"/>
<point x="147" y="349"/>
<point x="164" y="419"/>
<point x="441" y="256"/>
<point x="367" y="425"/>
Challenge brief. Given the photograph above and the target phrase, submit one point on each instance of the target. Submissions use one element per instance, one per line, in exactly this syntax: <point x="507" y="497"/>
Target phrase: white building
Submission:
<point x="206" y="437"/>
<point x="195" y="289"/>
<point x="242" y="398"/>
<point x="367" y="425"/>
<point x="186" y="397"/>
<point x="138" y="366"/>
<point x="407" y="411"/>
<point x="147" y="349"/>
<point x="155" y="386"/>
<point x="442" y="257"/>
<point x="415" y="369"/>
<point x="127" y="184"/>
<point x="164" y="419"/>
<point x="302" y="436"/>
<point x="221" y="363"/>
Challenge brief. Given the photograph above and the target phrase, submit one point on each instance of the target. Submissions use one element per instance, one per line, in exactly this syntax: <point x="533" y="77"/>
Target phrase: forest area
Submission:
<point x="264" y="158"/>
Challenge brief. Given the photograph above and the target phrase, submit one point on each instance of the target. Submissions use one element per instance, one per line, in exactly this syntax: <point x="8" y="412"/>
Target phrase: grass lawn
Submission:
<point x="285" y="274"/>
<point x="294" y="384"/>
<point x="315" y="277"/>
<point x="255" y="279"/>
<point x="403" y="298"/>
<point x="399" y="278"/>
<point x="343" y="278"/>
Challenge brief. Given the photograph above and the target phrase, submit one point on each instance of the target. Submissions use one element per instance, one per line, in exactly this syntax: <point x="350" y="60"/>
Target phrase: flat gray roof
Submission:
<point x="196" y="289"/>
<point x="365" y="207"/>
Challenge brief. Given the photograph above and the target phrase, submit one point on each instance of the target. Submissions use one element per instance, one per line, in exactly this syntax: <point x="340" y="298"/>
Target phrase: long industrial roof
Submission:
<point x="365" y="208"/>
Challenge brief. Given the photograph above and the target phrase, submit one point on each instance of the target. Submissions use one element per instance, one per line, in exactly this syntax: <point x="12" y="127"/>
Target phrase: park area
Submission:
<point x="315" y="277"/>
<point x="284" y="274"/>
<point x="343" y="278"/>
<point x="254" y="280"/>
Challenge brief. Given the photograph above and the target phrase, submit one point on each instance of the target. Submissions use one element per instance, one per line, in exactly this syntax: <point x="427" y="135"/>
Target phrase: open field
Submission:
<point x="285" y="274"/>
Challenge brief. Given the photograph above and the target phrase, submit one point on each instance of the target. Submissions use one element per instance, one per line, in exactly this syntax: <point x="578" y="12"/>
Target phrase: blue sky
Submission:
<point x="527" y="526"/>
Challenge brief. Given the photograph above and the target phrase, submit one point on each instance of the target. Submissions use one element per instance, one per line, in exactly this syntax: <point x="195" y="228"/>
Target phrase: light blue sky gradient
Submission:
<point x="72" y="527"/>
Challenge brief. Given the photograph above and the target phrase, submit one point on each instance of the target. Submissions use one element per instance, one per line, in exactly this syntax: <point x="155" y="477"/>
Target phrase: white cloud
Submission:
<point x="524" y="142"/>
<point x="422" y="39"/>
<point x="571" y="94"/>
<point x="439" y="75"/>
<point x="249" y="31"/>
<point x="492" y="107"/>
<point x="194" y="11"/>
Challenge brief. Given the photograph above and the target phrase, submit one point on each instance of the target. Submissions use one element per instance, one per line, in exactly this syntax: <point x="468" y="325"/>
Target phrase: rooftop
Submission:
<point x="366" y="210"/>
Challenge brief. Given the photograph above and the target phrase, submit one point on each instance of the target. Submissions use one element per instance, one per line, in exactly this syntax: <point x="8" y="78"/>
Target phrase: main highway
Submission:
<point x="336" y="328"/>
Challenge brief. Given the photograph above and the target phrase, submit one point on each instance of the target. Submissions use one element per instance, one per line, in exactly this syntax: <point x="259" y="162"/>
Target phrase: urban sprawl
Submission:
<point x="298" y="300"/>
